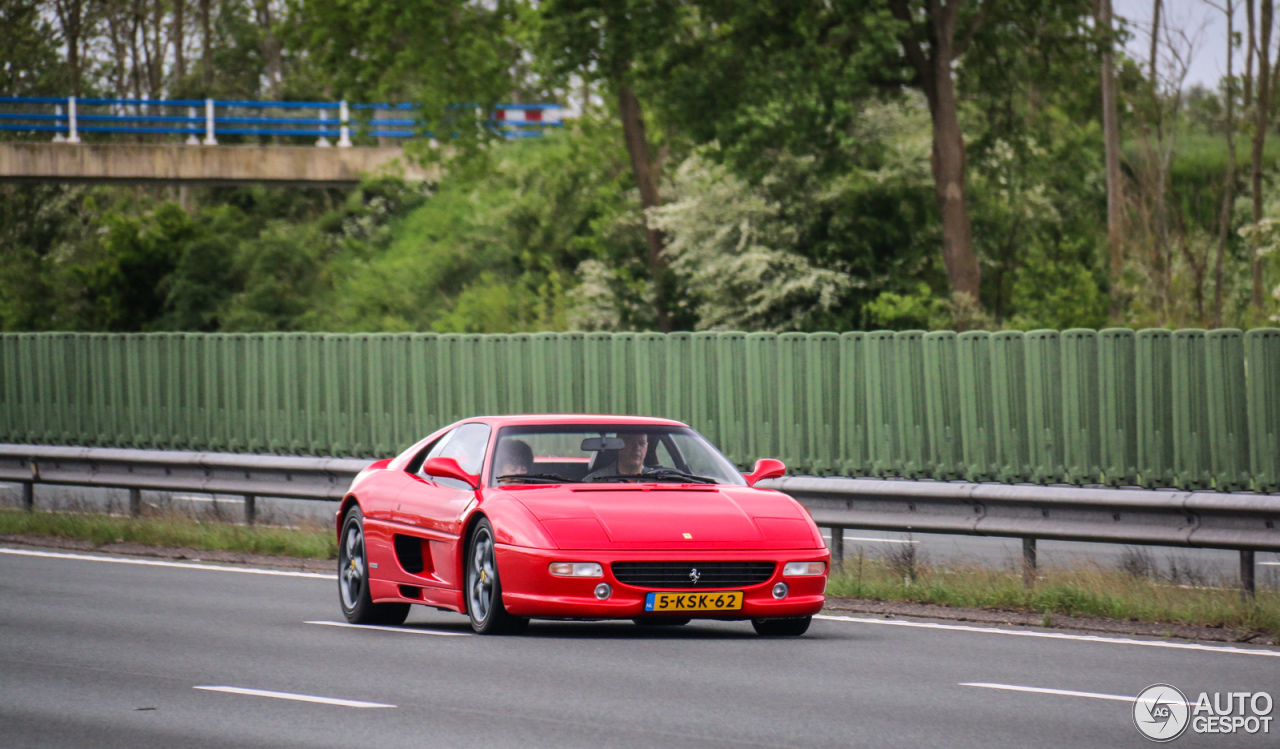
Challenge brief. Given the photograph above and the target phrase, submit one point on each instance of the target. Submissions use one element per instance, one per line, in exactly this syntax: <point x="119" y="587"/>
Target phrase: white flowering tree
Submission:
<point x="735" y="254"/>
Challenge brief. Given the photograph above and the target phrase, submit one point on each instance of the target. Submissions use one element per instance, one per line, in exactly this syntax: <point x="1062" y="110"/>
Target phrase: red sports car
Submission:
<point x="576" y="517"/>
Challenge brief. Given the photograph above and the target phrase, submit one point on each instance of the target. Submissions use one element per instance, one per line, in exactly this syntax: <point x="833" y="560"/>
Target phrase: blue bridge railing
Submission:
<point x="202" y="121"/>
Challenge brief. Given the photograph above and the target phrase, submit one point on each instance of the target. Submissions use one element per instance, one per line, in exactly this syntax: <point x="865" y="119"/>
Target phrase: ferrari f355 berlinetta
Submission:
<point x="512" y="518"/>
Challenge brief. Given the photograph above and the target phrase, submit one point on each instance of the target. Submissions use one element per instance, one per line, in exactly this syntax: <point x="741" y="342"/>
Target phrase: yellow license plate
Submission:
<point x="717" y="601"/>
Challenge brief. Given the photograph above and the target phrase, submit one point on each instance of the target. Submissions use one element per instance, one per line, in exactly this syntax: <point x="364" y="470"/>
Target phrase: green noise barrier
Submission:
<point x="1190" y="409"/>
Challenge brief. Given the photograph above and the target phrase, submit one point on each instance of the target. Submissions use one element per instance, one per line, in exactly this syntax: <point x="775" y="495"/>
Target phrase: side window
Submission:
<point x="698" y="461"/>
<point x="438" y="447"/>
<point x="433" y="451"/>
<point x="668" y="455"/>
<point x="665" y="458"/>
<point x="466" y="444"/>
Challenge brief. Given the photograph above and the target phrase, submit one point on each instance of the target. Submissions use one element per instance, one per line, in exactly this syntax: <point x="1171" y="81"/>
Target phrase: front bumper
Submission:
<point x="529" y="590"/>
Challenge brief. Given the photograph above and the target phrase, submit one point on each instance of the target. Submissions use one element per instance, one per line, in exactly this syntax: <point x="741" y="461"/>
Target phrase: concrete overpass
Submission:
<point x="135" y="163"/>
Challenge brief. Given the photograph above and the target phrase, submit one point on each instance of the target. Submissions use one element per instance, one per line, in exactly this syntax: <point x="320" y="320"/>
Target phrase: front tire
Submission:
<point x="353" y="578"/>
<point x="788" y="627"/>
<point x="484" y="588"/>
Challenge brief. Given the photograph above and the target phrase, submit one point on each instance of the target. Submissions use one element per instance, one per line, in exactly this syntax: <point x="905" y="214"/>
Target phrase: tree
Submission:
<point x="75" y="18"/>
<point x="933" y="38"/>
<point x="267" y="15"/>
<point x="1262" y="123"/>
<point x="120" y="272"/>
<point x="1160" y="106"/>
<point x="206" y="46"/>
<point x="1115" y="179"/>
<point x="29" y="51"/>
<point x="762" y="77"/>
<point x="605" y="41"/>
<point x="34" y="222"/>
<point x="434" y="53"/>
<point x="735" y="250"/>
<point x="179" y="36"/>
<point x="1229" y="181"/>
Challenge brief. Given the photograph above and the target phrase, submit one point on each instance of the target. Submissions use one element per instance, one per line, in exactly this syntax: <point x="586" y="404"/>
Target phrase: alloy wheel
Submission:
<point x="352" y="567"/>
<point x="483" y="574"/>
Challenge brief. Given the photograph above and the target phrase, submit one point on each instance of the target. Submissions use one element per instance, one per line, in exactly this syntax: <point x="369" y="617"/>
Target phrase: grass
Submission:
<point x="1083" y="591"/>
<point x="173" y="531"/>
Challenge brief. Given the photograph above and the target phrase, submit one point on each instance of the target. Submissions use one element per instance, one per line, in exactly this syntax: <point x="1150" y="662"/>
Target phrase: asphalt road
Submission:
<point x="104" y="654"/>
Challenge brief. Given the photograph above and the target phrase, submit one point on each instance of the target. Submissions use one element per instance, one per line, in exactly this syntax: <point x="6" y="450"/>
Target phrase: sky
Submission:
<point x="1200" y="20"/>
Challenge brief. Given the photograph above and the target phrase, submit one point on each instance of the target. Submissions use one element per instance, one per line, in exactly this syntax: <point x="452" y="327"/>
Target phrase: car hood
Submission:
<point x="662" y="517"/>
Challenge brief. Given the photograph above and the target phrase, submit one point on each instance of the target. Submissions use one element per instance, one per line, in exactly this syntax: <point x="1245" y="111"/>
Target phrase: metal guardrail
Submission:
<point x="1243" y="522"/>
<point x="202" y="121"/>
<point x="162" y="470"/>
<point x="1123" y="516"/>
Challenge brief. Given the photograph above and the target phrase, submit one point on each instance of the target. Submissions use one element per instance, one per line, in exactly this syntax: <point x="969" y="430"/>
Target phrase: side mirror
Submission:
<point x="448" y="468"/>
<point x="766" y="468"/>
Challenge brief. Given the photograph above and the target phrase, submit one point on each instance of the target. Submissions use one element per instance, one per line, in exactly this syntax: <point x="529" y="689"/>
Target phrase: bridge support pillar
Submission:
<point x="344" y="117"/>
<point x="73" y="134"/>
<point x="192" y="119"/>
<point x="209" y="138"/>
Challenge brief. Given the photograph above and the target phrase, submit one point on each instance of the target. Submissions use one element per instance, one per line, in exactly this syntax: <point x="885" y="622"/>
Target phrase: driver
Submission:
<point x="630" y="458"/>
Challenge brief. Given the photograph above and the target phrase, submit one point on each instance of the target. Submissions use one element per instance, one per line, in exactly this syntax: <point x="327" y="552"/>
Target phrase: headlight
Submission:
<point x="800" y="569"/>
<point x="575" y="569"/>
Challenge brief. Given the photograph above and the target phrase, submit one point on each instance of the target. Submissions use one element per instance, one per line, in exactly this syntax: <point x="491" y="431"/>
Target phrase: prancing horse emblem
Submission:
<point x="693" y="575"/>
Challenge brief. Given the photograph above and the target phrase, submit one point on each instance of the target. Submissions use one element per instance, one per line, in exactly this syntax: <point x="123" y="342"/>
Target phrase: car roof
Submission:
<point x="531" y="420"/>
<point x="536" y="419"/>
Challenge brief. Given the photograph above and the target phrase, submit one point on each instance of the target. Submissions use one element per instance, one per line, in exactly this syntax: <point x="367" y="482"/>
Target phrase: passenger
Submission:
<point x="514" y="459"/>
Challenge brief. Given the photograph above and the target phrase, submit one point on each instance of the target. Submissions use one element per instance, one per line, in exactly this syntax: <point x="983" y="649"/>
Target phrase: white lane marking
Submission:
<point x="156" y="563"/>
<point x="294" y="697"/>
<point x="1269" y="564"/>
<point x="393" y="629"/>
<point x="1060" y="692"/>
<point x="1056" y="636"/>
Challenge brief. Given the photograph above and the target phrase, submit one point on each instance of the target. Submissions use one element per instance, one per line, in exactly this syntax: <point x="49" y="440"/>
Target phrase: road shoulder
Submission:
<point x="1054" y="622"/>
<point x="264" y="561"/>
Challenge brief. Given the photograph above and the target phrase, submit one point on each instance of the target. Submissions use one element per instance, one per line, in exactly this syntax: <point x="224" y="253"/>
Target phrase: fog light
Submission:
<point x="780" y="591"/>
<point x="603" y="591"/>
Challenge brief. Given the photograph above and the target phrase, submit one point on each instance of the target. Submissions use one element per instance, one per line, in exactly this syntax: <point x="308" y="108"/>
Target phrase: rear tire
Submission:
<point x="484" y="588"/>
<point x="662" y="621"/>
<point x="788" y="627"/>
<point x="353" y="578"/>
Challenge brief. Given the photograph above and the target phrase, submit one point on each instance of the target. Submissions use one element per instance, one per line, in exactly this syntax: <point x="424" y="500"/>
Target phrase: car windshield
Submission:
<point x="606" y="453"/>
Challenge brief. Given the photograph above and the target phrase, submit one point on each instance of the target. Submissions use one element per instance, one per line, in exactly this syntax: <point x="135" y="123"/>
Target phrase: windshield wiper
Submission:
<point x="548" y="478"/>
<point x="677" y="473"/>
<point x="657" y="474"/>
<point x="620" y="477"/>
